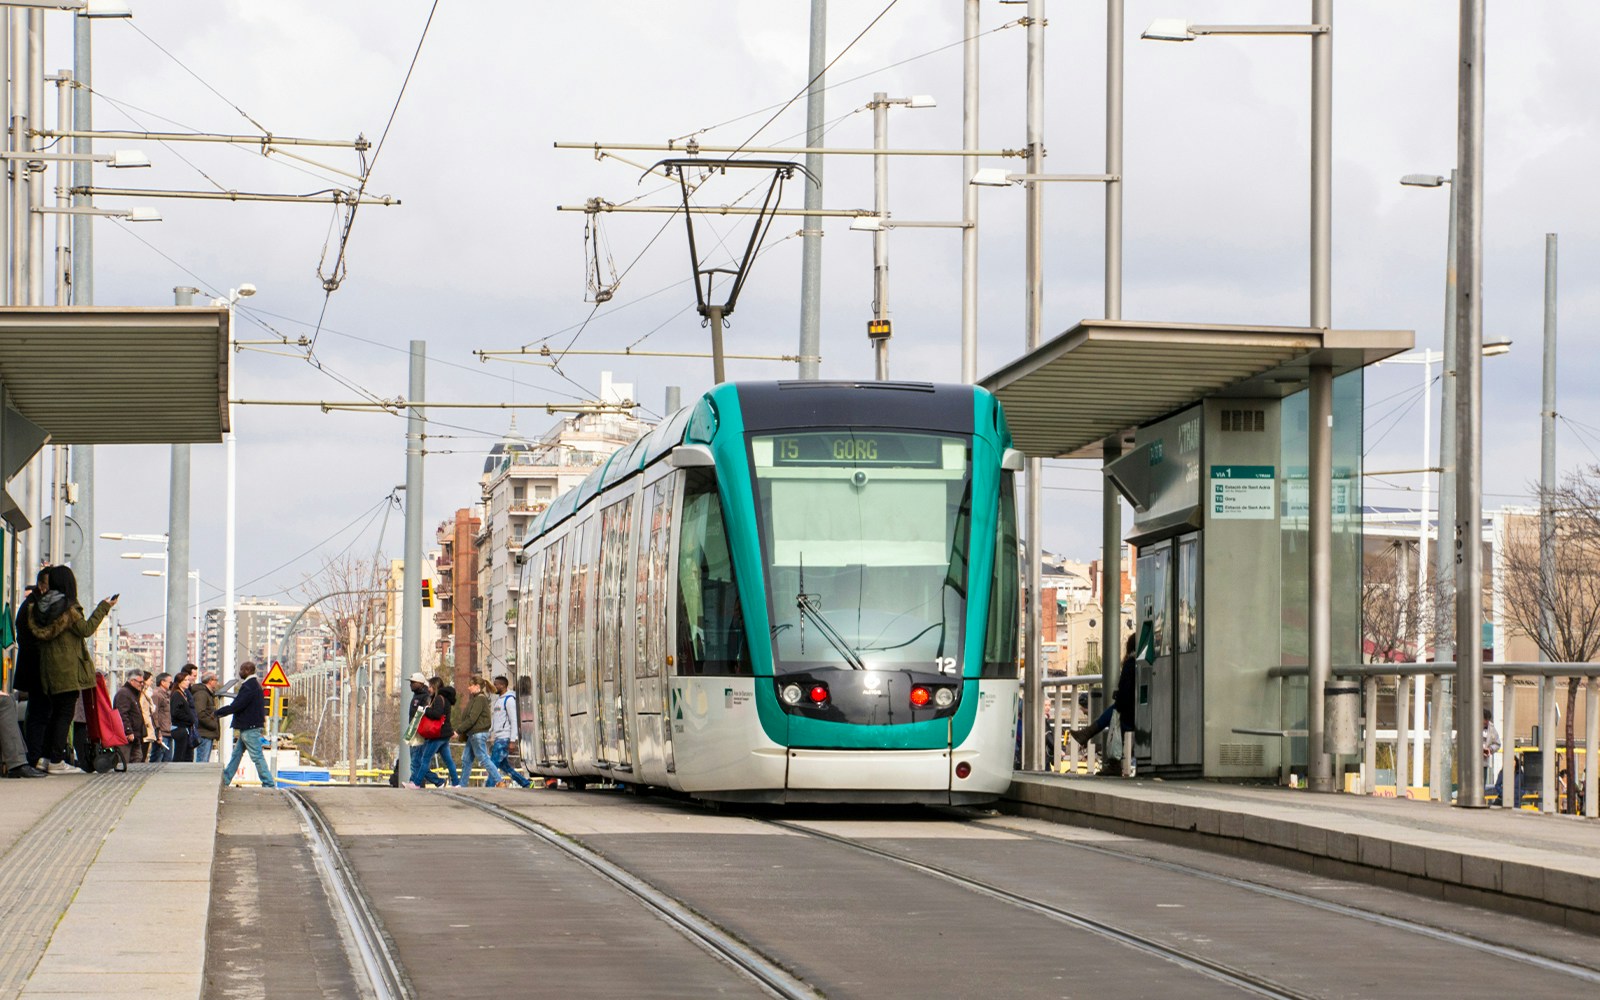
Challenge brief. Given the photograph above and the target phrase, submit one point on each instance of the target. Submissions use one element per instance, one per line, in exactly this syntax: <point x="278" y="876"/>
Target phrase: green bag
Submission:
<point x="411" y="730"/>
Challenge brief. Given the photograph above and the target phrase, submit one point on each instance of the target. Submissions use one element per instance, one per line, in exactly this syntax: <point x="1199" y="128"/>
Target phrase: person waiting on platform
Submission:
<point x="13" y="748"/>
<point x="1121" y="702"/>
<point x="207" y="728"/>
<point x="126" y="703"/>
<point x="65" y="668"/>
<point x="25" y="680"/>
<point x="181" y="712"/>
<point x="159" y="695"/>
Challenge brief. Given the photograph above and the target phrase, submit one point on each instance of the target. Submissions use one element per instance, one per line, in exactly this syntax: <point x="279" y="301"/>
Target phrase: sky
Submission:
<point x="478" y="258"/>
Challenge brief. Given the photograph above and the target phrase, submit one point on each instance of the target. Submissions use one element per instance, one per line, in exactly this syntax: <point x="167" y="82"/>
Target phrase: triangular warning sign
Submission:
<point x="275" y="678"/>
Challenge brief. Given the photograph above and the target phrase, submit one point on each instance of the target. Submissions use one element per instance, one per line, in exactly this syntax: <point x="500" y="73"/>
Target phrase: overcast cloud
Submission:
<point x="476" y="257"/>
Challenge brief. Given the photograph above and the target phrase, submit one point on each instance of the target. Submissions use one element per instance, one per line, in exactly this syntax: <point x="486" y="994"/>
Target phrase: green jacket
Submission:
<point x="472" y="717"/>
<point x="64" y="662"/>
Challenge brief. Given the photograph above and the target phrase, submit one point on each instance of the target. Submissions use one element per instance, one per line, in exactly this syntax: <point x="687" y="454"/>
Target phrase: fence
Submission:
<point x="1062" y="715"/>
<point x="1547" y="677"/>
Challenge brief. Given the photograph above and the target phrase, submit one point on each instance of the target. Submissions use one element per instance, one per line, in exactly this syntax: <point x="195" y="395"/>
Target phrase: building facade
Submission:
<point x="455" y="596"/>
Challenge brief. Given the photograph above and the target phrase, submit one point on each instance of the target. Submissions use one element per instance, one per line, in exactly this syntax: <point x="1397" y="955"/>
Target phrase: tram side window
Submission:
<point x="711" y="636"/>
<point x="1000" y="640"/>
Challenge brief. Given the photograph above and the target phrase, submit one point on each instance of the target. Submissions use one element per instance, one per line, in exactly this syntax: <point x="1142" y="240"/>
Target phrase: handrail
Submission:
<point x="1446" y="668"/>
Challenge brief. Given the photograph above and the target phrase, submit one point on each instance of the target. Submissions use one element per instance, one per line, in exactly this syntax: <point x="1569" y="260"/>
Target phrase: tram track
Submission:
<point x="384" y="972"/>
<point x="768" y="975"/>
<point x="1434" y="932"/>
<point x="1248" y="982"/>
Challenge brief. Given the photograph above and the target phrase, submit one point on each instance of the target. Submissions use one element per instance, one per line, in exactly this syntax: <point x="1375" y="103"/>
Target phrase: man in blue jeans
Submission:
<point x="503" y="726"/>
<point x="249" y="711"/>
<point x="472" y="722"/>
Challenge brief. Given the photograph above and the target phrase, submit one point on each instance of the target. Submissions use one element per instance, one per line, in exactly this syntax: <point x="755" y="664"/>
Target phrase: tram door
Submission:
<point x="1169" y="693"/>
<point x="552" y="715"/>
<point x="611" y="743"/>
<point x="653" y="612"/>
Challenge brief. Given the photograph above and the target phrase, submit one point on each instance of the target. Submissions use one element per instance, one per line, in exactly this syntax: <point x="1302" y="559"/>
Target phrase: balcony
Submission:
<point x="444" y="562"/>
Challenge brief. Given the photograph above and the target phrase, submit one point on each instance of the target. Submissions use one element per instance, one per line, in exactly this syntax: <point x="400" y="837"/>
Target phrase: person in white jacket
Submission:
<point x="503" y="725"/>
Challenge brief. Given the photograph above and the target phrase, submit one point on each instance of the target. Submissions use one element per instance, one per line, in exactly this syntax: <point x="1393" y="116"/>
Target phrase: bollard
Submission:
<point x="1342" y="710"/>
<point x="1402" y="734"/>
<point x="1369" y="735"/>
<point x="1508" y="746"/>
<point x="1591" y="752"/>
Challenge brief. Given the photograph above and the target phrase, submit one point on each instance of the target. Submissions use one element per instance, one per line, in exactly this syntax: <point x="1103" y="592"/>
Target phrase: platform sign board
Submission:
<point x="275" y="678"/>
<point x="1244" y="492"/>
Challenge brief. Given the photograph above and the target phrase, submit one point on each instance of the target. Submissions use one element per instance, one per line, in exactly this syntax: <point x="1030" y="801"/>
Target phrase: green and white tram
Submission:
<point x="787" y="592"/>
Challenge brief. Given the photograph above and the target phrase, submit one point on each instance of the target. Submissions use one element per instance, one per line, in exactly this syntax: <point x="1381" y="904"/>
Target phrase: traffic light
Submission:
<point x="427" y="593"/>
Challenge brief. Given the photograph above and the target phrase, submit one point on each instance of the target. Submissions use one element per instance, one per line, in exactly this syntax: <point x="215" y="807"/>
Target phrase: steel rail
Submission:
<point x="383" y="969"/>
<point x="1249" y="982"/>
<point x="1583" y="972"/>
<point x="699" y="930"/>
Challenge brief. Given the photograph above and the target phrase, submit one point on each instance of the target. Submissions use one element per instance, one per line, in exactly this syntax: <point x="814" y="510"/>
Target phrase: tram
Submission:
<point x="786" y="592"/>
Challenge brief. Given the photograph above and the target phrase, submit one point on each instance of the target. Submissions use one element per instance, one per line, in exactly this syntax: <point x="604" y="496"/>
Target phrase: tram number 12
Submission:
<point x="946" y="665"/>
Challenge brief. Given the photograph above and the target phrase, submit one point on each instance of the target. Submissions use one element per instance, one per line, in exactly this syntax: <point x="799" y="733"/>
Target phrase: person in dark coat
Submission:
<point x="1121" y="701"/>
<point x="207" y="728"/>
<point x="65" y="668"/>
<point x="421" y="695"/>
<point x="249" y="711"/>
<point x="181" y="711"/>
<point x="441" y="700"/>
<point x="26" y="681"/>
<point x="126" y="703"/>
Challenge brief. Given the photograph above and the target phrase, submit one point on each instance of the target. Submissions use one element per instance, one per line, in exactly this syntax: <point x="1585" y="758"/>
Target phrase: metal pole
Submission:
<point x="1110" y="500"/>
<point x="178" y="561"/>
<point x="1469" y="408"/>
<point x="1423" y="604"/>
<point x="1547" y="459"/>
<point x="1319" y="635"/>
<point x="673" y="400"/>
<point x="35" y="177"/>
<point x="228" y="669"/>
<point x="411" y="599"/>
<point x="1444" y="569"/>
<point x="19" y="167"/>
<point x="811" y="238"/>
<point x="1032" y="705"/>
<point x="880" y="238"/>
<point x="63" y="81"/>
<point x="969" y="194"/>
<point x="1320" y="565"/>
<point x="83" y="287"/>
<point x="714" y="320"/>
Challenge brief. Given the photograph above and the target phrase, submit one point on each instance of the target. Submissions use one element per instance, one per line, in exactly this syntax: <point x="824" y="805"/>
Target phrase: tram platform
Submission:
<point x="1545" y="867"/>
<point x="105" y="882"/>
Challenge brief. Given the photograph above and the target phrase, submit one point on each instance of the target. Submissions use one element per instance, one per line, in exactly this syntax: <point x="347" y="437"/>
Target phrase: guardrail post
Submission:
<point x="1402" y="732"/>
<point x="1508" y="746"/>
<point x="1547" y="744"/>
<point x="1369" y="735"/>
<point x="1591" y="748"/>
<point x="1436" y="737"/>
<point x="1053" y="758"/>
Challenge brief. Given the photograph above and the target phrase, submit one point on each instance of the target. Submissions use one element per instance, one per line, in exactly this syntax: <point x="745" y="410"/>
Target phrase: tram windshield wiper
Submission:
<point x="809" y="608"/>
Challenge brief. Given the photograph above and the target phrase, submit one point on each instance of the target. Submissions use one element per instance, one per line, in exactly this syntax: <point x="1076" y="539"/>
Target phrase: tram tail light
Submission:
<point x="818" y="694"/>
<point x="963" y="769"/>
<point x="920" y="696"/>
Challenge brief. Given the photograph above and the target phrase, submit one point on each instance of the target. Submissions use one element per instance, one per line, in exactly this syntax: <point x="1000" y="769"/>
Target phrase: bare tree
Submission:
<point x="1391" y="609"/>
<point x="1560" y="614"/>
<point x="351" y="592"/>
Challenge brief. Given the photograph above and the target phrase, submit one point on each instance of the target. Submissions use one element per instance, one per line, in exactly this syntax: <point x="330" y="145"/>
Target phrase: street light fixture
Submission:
<point x="230" y="518"/>
<point x="83" y="8"/>
<point x="119" y="160"/>
<point x="130" y="214"/>
<point x="1000" y="177"/>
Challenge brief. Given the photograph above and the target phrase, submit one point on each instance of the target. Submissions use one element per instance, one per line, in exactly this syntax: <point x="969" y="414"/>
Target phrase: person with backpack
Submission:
<point x="503" y="726"/>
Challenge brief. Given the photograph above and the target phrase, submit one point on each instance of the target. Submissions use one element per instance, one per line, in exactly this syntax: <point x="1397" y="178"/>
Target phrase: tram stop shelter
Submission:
<point x="88" y="375"/>
<point x="1239" y="450"/>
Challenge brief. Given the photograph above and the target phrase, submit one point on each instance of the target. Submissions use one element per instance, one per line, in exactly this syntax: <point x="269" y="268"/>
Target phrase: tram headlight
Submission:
<point x="791" y="694"/>
<point x="944" y="697"/>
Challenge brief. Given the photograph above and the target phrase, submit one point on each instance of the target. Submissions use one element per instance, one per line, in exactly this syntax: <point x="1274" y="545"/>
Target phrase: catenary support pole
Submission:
<point x="969" y="194"/>
<point x="83" y="286"/>
<point x="1032" y="668"/>
<point x="411" y="599"/>
<point x="1111" y="449"/>
<point x="880" y="238"/>
<point x="1469" y="407"/>
<point x="177" y="581"/>
<point x="811" y="238"/>
<point x="1319" y="636"/>
<point x="1444" y="554"/>
<point x="714" y="320"/>
<point x="1547" y="460"/>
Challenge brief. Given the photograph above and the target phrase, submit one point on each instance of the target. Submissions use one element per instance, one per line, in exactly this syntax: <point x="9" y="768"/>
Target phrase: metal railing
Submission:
<point x="1547" y="677"/>
<point x="1062" y="715"/>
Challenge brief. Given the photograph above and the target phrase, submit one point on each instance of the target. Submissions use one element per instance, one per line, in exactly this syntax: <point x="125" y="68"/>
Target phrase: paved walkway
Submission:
<point x="1545" y="867"/>
<point x="105" y="881"/>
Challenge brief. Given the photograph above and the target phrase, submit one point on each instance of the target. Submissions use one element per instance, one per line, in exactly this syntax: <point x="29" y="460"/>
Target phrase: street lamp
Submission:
<point x="83" y="8"/>
<point x="1319" y="622"/>
<point x="130" y="214"/>
<point x="194" y="576"/>
<point x="245" y="290"/>
<point x="878" y="330"/>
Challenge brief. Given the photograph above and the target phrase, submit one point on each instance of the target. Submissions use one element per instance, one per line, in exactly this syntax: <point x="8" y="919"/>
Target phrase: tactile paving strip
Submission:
<point x="42" y="871"/>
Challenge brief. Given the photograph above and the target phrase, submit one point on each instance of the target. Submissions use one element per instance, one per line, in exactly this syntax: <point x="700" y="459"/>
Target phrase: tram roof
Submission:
<point x="113" y="375"/>
<point x="1103" y="378"/>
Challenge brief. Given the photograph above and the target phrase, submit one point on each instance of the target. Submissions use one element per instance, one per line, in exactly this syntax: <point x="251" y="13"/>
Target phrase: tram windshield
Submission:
<point x="865" y="538"/>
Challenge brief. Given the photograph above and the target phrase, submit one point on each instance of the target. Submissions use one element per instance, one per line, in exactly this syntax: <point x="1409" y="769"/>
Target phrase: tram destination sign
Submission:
<point x="857" y="449"/>
<point x="1244" y="492"/>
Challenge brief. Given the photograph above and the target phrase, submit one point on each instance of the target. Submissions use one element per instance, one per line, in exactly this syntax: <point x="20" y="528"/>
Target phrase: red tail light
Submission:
<point x="818" y="693"/>
<point x="963" y="769"/>
<point x="920" y="696"/>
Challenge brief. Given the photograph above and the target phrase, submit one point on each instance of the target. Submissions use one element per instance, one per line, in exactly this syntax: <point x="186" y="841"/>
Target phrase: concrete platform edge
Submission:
<point x="1391" y="856"/>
